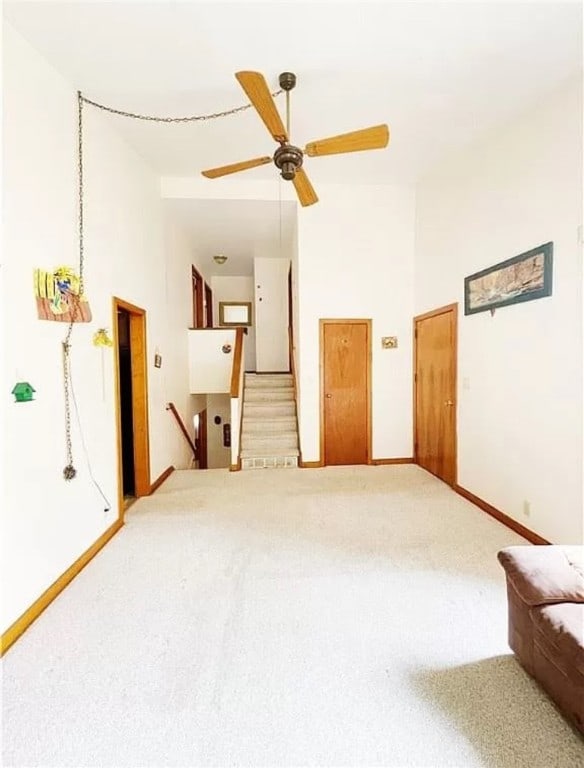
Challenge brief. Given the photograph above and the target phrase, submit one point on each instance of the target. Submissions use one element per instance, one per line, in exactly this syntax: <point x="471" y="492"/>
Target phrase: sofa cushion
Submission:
<point x="575" y="556"/>
<point x="560" y="634"/>
<point x="545" y="574"/>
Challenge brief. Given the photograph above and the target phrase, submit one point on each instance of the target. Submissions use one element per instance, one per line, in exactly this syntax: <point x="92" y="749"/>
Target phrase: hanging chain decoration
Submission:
<point x="69" y="472"/>
<point x="187" y="119"/>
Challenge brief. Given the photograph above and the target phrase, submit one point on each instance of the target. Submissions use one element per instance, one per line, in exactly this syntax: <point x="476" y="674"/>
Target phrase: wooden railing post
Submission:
<point x="234" y="391"/>
<point x="237" y="356"/>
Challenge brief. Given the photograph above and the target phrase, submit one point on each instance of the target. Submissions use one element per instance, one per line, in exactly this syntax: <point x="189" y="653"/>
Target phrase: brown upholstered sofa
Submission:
<point x="545" y="590"/>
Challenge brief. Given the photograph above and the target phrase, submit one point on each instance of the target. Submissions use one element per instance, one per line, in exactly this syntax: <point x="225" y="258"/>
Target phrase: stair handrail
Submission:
<point x="237" y="357"/>
<point x="236" y="394"/>
<point x="173" y="409"/>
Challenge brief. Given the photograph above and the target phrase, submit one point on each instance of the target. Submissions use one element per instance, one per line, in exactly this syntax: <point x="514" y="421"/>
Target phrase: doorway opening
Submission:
<point x="208" y="306"/>
<point x="201" y="440"/>
<point x="131" y="402"/>
<point x="202" y="301"/>
<point x="125" y="405"/>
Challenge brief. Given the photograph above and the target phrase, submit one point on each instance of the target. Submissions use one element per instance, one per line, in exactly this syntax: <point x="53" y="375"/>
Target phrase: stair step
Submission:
<point x="268" y="380"/>
<point x="279" y="413"/>
<point x="247" y="453"/>
<point x="269" y="410"/>
<point x="252" y="394"/>
<point x="268" y="443"/>
<point x="257" y="423"/>
<point x="253" y="426"/>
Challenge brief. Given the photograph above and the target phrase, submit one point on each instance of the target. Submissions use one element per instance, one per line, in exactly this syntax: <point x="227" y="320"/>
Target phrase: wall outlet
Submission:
<point x="526" y="508"/>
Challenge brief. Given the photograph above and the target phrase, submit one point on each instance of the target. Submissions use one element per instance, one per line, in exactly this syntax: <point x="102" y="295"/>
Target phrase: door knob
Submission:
<point x="449" y="402"/>
<point x="327" y="395"/>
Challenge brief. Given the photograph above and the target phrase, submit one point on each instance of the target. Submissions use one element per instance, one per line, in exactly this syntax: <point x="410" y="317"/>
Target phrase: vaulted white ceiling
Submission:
<point x="441" y="75"/>
<point x="238" y="229"/>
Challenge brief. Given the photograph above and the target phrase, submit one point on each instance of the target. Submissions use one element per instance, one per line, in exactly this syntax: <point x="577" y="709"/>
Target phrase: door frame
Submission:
<point x="345" y="321"/>
<point x="198" y="296"/>
<point x="202" y="441"/>
<point x="433" y="313"/>
<point x="139" y="359"/>
<point x="208" y="306"/>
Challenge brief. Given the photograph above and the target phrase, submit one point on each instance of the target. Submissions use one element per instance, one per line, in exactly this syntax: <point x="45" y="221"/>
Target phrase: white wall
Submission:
<point x="217" y="455"/>
<point x="236" y="288"/>
<point x="295" y="311"/>
<point x="48" y="523"/>
<point x="355" y="260"/>
<point x="209" y="367"/>
<point x="179" y="305"/>
<point x="271" y="314"/>
<point x="520" y="372"/>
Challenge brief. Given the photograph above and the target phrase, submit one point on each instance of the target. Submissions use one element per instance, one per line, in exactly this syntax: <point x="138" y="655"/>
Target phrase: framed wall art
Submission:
<point x="521" y="278"/>
<point x="235" y="313"/>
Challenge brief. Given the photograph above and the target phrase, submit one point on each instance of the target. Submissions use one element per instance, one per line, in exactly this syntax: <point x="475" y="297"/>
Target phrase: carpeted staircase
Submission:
<point x="269" y="432"/>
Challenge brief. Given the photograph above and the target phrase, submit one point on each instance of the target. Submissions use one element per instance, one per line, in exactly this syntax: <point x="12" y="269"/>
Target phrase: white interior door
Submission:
<point x="271" y="314"/>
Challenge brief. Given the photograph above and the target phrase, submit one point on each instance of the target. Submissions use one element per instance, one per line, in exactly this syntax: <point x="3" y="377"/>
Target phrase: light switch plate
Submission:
<point x="388" y="342"/>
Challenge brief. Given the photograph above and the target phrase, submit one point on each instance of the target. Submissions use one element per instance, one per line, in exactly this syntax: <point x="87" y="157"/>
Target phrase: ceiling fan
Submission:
<point x="289" y="158"/>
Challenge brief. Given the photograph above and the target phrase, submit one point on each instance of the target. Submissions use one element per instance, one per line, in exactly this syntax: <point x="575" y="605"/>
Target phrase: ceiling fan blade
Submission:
<point x="214" y="173"/>
<point x="376" y="137"/>
<point x="304" y="188"/>
<point x="256" y="88"/>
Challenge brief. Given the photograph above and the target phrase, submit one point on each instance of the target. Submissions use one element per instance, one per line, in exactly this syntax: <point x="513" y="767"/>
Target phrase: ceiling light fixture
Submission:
<point x="219" y="258"/>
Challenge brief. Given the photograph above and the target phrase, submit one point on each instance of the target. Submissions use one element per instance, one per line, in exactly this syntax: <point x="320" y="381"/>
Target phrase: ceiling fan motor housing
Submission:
<point x="287" y="80"/>
<point x="288" y="159"/>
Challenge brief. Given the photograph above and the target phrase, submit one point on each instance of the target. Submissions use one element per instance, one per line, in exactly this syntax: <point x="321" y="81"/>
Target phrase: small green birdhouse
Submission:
<point x="23" y="392"/>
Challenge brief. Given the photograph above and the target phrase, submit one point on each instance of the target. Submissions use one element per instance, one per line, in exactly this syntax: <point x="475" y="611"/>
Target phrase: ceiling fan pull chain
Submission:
<point x="157" y="119"/>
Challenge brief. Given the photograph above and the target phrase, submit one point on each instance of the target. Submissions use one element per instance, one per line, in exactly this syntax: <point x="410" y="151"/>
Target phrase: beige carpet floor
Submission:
<point x="336" y="617"/>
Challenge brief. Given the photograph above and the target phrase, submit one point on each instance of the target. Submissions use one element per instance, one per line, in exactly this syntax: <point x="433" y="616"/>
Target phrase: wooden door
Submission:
<point x="435" y="392"/>
<point x="208" y="307"/>
<point x="345" y="388"/>
<point x="198" y="288"/>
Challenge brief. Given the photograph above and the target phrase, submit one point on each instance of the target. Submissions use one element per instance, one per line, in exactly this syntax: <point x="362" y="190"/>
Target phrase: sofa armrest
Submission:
<point x="544" y="574"/>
